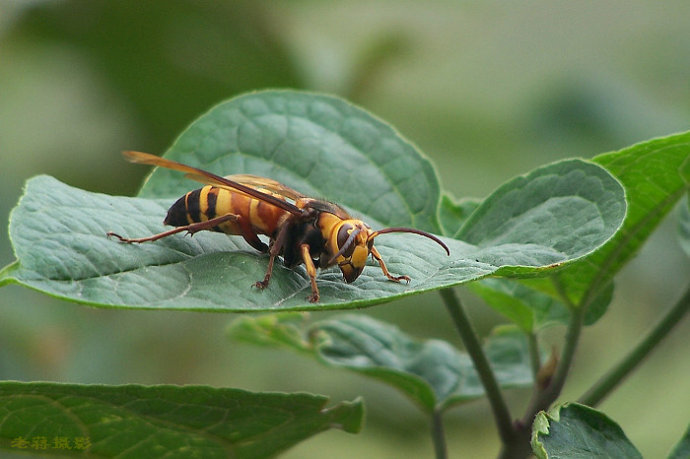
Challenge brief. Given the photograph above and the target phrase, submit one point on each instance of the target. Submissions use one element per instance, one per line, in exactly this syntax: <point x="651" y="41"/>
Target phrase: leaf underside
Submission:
<point x="431" y="373"/>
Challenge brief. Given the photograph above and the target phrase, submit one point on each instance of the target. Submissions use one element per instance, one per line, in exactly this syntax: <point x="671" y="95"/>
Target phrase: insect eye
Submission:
<point x="343" y="234"/>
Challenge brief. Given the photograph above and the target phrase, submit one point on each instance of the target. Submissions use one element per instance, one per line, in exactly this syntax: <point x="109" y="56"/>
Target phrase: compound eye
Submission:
<point x="343" y="234"/>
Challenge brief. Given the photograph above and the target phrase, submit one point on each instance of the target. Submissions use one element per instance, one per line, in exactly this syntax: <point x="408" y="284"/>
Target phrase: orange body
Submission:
<point x="209" y="202"/>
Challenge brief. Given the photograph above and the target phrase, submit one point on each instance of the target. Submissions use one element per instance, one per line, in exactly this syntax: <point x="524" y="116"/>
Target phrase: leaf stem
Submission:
<point x="438" y="435"/>
<point x="469" y="338"/>
<point x="546" y="396"/>
<point x="617" y="374"/>
<point x="534" y="357"/>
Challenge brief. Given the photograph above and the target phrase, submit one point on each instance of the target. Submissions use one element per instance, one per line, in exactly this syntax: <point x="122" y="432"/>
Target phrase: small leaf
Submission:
<point x="527" y="308"/>
<point x="531" y="309"/>
<point x="453" y="213"/>
<point x="431" y="373"/>
<point x="162" y="421"/>
<point x="280" y="329"/>
<point x="577" y="431"/>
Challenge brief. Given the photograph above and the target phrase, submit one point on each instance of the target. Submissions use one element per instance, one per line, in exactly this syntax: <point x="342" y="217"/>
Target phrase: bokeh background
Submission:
<point x="487" y="89"/>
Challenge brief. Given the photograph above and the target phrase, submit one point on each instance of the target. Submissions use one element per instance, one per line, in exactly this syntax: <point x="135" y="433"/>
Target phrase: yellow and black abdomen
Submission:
<point x="194" y="207"/>
<point x="203" y="204"/>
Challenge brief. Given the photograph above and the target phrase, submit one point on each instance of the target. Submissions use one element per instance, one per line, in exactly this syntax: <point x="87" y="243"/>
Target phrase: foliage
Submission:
<point x="541" y="249"/>
<point x="140" y="421"/>
<point x="299" y="138"/>
<point x="432" y="373"/>
<point x="573" y="430"/>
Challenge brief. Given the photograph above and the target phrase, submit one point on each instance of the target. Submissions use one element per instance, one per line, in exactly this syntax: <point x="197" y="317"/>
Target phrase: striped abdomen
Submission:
<point x="209" y="202"/>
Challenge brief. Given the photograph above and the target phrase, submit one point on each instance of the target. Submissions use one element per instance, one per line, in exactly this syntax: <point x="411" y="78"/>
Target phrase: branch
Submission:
<point x="469" y="338"/>
<point x="438" y="435"/>
<point x="617" y="374"/>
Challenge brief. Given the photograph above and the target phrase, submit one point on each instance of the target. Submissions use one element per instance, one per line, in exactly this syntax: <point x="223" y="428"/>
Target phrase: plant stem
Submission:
<point x="519" y="447"/>
<point x="474" y="349"/>
<point x="544" y="398"/>
<point x="617" y="374"/>
<point x="534" y="357"/>
<point x="438" y="435"/>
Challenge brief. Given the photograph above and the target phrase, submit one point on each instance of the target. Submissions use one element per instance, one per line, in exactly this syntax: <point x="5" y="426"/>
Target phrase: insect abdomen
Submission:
<point x="177" y="214"/>
<point x="197" y="206"/>
<point x="209" y="202"/>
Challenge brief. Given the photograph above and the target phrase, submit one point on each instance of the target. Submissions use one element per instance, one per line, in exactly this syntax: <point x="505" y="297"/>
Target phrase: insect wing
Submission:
<point x="209" y="178"/>
<point x="267" y="184"/>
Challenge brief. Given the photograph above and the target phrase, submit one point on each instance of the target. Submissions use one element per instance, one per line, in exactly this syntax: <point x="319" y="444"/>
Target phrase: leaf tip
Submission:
<point x="350" y="415"/>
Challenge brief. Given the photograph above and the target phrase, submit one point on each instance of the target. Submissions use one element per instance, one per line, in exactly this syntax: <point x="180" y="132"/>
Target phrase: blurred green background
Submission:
<point x="486" y="89"/>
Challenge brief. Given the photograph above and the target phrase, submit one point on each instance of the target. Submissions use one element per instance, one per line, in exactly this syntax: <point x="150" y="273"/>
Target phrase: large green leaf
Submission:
<point x="162" y="421"/>
<point x="655" y="175"/>
<point x="432" y="373"/>
<point x="320" y="145"/>
<point x="577" y="431"/>
<point x="323" y="146"/>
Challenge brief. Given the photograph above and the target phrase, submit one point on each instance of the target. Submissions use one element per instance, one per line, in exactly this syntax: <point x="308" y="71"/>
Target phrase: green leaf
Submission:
<point x="531" y="309"/>
<point x="453" y="213"/>
<point x="574" y="204"/>
<point x="577" y="431"/>
<point x="432" y="373"/>
<point x="682" y="448"/>
<point x="655" y="176"/>
<point x="276" y="330"/>
<point x="162" y="421"/>
<point x="323" y="146"/>
<point x="320" y="145"/>
<point x="527" y="308"/>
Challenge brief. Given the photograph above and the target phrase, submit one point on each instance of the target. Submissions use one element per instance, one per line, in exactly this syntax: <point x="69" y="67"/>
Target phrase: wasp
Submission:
<point x="300" y="229"/>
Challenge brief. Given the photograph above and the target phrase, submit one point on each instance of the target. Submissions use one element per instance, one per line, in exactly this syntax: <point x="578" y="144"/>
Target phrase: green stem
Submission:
<point x="469" y="338"/>
<point x="437" y="434"/>
<point x="519" y="447"/>
<point x="617" y="374"/>
<point x="544" y="398"/>
<point x="534" y="358"/>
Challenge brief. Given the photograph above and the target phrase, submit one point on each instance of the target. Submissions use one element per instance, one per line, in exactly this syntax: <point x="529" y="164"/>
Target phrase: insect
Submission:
<point x="300" y="229"/>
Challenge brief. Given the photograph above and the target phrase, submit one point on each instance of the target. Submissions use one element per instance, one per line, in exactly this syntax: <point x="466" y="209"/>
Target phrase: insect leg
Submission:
<point x="250" y="236"/>
<point x="311" y="270"/>
<point x="191" y="228"/>
<point x="275" y="249"/>
<point x="375" y="253"/>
